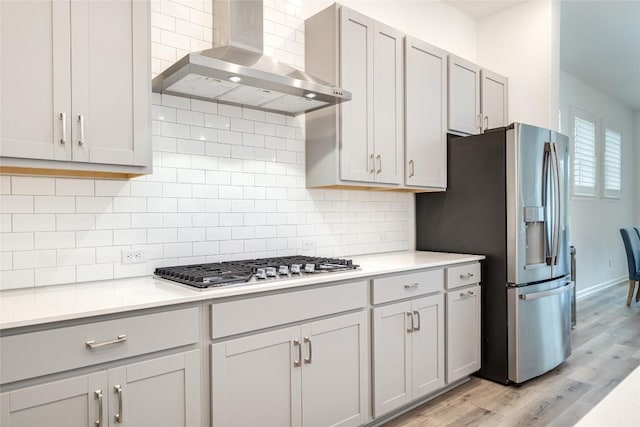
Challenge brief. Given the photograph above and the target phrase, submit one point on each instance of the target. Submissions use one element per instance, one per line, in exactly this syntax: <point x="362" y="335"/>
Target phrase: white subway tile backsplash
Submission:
<point x="54" y="204"/>
<point x="88" y="273"/>
<point x="5" y="223"/>
<point x="175" y="250"/>
<point x="230" y="110"/>
<point x="191" y="205"/>
<point x="188" y="146"/>
<point x="175" y="130"/>
<point x="146" y="220"/>
<point x="5" y="184"/>
<point x="54" y="240"/>
<point x="113" y="221"/>
<point x="190" y="117"/>
<point x="6" y="261"/>
<point x="231" y="246"/>
<point x="16" y="204"/>
<point x="192" y="176"/>
<point x="11" y="242"/>
<point x="16" y="279"/>
<point x="94" y="238"/>
<point x="111" y="188"/>
<point x="34" y="222"/>
<point x="213" y="120"/>
<point x="34" y="259"/>
<point x="129" y="270"/>
<point x="130" y="237"/>
<point x="253" y="140"/>
<point x="35" y="186"/>
<point x="74" y="187"/>
<point x="165" y="204"/>
<point x="206" y="248"/>
<point x="129" y="204"/>
<point x="163" y="235"/>
<point x="81" y="256"/>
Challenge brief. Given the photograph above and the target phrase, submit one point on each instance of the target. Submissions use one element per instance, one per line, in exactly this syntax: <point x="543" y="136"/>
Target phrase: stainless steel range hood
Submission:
<point x="238" y="73"/>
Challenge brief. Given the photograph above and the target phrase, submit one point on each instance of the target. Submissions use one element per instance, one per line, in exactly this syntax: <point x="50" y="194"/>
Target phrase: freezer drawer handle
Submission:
<point x="527" y="297"/>
<point x="92" y="344"/>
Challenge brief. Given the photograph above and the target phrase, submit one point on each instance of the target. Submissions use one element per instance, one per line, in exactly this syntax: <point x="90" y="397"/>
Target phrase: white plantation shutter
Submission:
<point x="612" y="172"/>
<point x="584" y="155"/>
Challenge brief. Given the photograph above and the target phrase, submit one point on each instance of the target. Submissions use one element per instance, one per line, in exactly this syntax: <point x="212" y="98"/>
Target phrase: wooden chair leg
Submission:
<point x="632" y="287"/>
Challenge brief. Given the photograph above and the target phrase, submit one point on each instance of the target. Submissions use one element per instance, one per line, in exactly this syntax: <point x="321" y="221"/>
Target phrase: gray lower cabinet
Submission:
<point x="463" y="332"/>
<point x="408" y="351"/>
<point x="158" y="392"/>
<point x="310" y="375"/>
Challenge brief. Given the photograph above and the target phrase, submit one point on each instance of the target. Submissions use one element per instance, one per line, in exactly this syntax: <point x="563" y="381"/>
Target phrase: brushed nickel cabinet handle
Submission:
<point x="309" y="359"/>
<point x="466" y="276"/>
<point x="373" y="164"/>
<point x="379" y="157"/>
<point x="118" y="390"/>
<point x="98" y="396"/>
<point x="410" y="316"/>
<point x="486" y="122"/>
<point x="63" y="128"/>
<point x="92" y="344"/>
<point x="81" y="126"/>
<point x="479" y="121"/>
<point x="297" y="362"/>
<point x="412" y="171"/>
<point x="417" y="314"/>
<point x="412" y="286"/>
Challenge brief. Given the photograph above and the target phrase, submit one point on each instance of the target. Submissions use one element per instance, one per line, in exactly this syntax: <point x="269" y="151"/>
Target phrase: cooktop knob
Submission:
<point x="283" y="270"/>
<point x="309" y="268"/>
<point x="295" y="268"/>
<point x="271" y="271"/>
<point x="261" y="273"/>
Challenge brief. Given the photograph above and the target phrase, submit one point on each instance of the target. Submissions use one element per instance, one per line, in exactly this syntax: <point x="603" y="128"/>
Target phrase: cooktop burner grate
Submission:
<point x="231" y="272"/>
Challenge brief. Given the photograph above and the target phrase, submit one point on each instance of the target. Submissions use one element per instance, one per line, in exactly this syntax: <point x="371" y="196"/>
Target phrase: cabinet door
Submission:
<point x="334" y="387"/>
<point x="388" y="106"/>
<point x="426" y="115"/>
<point x="74" y="402"/>
<point x="35" y="79"/>
<point x="164" y="391"/>
<point x="356" y="126"/>
<point x="463" y="332"/>
<point x="391" y="357"/>
<point x="464" y="96"/>
<point x="256" y="380"/>
<point x="427" y="345"/>
<point x="111" y="82"/>
<point x="494" y="94"/>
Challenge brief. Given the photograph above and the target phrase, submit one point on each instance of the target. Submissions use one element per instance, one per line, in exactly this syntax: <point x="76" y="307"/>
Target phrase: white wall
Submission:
<point x="636" y="133"/>
<point x="432" y="21"/>
<point x="521" y="43"/>
<point x="595" y="222"/>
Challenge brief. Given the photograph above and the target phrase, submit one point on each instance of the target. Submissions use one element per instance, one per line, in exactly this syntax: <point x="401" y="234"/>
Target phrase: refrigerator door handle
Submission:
<point x="556" y="203"/>
<point x="567" y="286"/>
<point x="546" y="190"/>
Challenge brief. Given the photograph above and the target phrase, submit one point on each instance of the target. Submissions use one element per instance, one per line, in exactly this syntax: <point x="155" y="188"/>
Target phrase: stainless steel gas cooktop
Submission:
<point x="232" y="272"/>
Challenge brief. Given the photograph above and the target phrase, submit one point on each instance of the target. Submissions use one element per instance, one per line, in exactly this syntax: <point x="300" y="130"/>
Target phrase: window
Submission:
<point x="584" y="154"/>
<point x="612" y="163"/>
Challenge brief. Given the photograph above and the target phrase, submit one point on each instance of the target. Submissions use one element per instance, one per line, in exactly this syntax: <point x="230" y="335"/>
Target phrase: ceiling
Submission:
<point x="599" y="42"/>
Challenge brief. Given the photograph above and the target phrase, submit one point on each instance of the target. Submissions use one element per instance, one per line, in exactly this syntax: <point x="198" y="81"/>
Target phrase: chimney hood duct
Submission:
<point x="238" y="73"/>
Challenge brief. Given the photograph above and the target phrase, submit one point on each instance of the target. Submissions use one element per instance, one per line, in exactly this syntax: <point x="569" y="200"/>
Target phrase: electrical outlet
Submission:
<point x="134" y="256"/>
<point x="308" y="245"/>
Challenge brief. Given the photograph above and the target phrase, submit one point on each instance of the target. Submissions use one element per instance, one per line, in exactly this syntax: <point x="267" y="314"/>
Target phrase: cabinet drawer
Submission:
<point x="250" y="314"/>
<point x="55" y="350"/>
<point x="463" y="275"/>
<point x="407" y="285"/>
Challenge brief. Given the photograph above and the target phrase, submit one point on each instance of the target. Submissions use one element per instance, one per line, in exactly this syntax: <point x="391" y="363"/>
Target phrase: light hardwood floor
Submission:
<point x="606" y="348"/>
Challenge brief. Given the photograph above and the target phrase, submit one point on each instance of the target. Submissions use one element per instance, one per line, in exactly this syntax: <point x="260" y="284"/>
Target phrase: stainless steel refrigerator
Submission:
<point x="507" y="199"/>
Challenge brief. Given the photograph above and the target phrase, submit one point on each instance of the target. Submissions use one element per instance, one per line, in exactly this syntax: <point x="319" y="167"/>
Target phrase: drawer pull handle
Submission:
<point x="92" y="344"/>
<point x="373" y="164"/>
<point x="471" y="293"/>
<point x="466" y="276"/>
<point x="118" y="390"/>
<point x="309" y="359"/>
<point x="98" y="395"/>
<point x="410" y="328"/>
<point x="416" y="328"/>
<point x="296" y="343"/>
<point x="81" y="126"/>
<point x="412" y="286"/>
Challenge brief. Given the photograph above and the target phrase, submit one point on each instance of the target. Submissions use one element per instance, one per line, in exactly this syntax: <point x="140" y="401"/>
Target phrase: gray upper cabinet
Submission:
<point x="425" y="115"/>
<point x="358" y="143"/>
<point x="494" y="98"/>
<point x="464" y="96"/>
<point x="477" y="98"/>
<point x="81" y="72"/>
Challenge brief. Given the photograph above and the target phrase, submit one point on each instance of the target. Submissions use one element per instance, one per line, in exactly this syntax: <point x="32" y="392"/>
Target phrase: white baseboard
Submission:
<point x="600" y="287"/>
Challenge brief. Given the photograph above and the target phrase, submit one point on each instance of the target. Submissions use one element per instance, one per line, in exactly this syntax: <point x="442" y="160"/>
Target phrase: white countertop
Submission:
<point x="620" y="408"/>
<point x="26" y="307"/>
